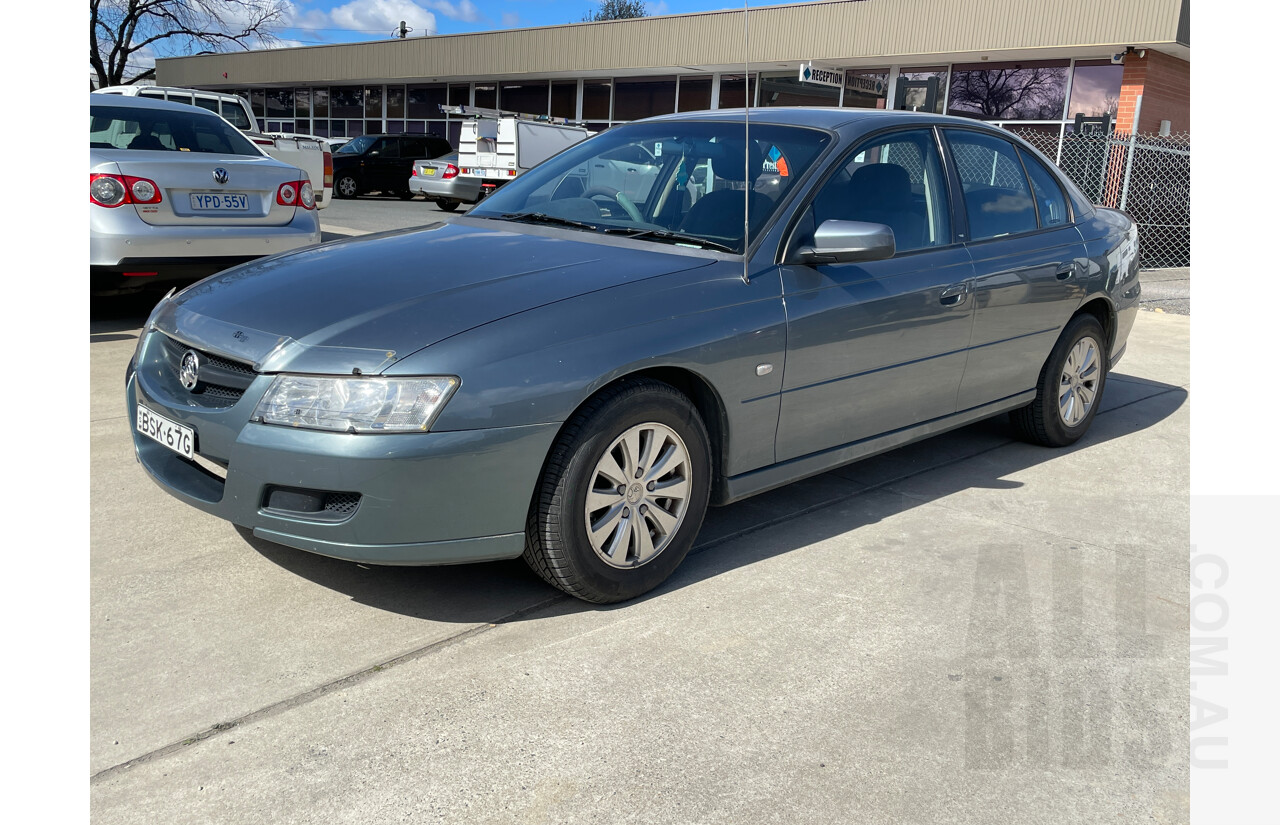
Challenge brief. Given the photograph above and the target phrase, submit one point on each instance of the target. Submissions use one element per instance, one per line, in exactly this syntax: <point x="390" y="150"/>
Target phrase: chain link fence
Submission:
<point x="1146" y="175"/>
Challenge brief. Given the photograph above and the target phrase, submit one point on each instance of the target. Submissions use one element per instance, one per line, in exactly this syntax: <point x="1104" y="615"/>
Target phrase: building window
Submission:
<point x="866" y="88"/>
<point x="258" y="99"/>
<point x="635" y="98"/>
<point x="595" y="99"/>
<point x="528" y="97"/>
<point x="279" y="103"/>
<point x="734" y="92"/>
<point x="347" y="101"/>
<point x="695" y="93"/>
<point x="564" y="99"/>
<point x="786" y="89"/>
<point x="1009" y="91"/>
<point x="320" y="99"/>
<point x="373" y="103"/>
<point x="395" y="102"/>
<point x="302" y="103"/>
<point x="424" y="101"/>
<point x="1095" y="89"/>
<point x="460" y="94"/>
<point x="486" y="96"/>
<point x="921" y="89"/>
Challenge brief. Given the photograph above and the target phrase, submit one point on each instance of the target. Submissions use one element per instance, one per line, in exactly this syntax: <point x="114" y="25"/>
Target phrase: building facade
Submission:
<point x="1019" y="63"/>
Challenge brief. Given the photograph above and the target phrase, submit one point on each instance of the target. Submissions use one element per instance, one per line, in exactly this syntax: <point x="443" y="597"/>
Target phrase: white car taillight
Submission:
<point x="296" y="193"/>
<point x="114" y="190"/>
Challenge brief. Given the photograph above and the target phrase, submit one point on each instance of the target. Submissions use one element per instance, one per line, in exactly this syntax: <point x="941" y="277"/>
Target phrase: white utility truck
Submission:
<point x="497" y="145"/>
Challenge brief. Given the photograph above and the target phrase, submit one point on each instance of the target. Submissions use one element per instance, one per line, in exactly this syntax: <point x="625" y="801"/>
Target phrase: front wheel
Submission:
<point x="405" y="194"/>
<point x="1070" y="387"/>
<point x="347" y="187"/>
<point x="623" y="494"/>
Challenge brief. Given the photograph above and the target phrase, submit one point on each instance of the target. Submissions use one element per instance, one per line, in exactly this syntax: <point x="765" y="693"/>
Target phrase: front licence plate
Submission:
<point x="176" y="437"/>
<point x="219" y="201"/>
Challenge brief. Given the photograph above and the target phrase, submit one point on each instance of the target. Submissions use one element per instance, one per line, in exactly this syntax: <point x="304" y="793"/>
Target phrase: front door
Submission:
<point x="877" y="346"/>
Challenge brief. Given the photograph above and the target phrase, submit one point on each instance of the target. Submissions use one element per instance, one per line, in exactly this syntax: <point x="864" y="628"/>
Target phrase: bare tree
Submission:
<point x="617" y="10"/>
<point x="121" y="29"/>
<point x="992" y="94"/>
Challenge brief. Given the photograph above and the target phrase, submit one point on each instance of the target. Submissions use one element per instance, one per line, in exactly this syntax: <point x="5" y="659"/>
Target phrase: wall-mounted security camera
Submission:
<point x="1118" y="58"/>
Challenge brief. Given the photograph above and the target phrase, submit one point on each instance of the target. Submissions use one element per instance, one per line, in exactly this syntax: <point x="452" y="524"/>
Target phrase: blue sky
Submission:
<point x="315" y="22"/>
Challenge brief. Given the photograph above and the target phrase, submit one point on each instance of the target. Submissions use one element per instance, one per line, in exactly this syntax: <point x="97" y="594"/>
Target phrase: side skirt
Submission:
<point x="768" y="478"/>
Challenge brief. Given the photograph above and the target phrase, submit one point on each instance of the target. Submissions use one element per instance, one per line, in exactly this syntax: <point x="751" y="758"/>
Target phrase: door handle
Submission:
<point x="953" y="295"/>
<point x="1065" y="271"/>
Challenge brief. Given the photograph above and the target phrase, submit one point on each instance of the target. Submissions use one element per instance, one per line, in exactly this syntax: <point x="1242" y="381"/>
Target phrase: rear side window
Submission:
<point x="997" y="196"/>
<point x="1050" y="201"/>
<point x="234" y="112"/>
<point x="117" y="127"/>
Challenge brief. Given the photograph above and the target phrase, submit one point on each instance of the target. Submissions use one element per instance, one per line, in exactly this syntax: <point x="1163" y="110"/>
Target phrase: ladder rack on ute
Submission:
<point x="478" y="111"/>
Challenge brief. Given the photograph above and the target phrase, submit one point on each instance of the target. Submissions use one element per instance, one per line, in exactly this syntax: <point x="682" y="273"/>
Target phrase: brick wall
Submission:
<point x="1164" y="82"/>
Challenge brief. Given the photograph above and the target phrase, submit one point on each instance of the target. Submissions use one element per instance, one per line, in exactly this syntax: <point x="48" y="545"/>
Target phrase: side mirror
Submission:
<point x="838" y="242"/>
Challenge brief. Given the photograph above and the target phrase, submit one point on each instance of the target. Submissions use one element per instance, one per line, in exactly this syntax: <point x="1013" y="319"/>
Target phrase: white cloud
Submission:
<point x="660" y="7"/>
<point x="373" y="16"/>
<point x="510" y="20"/>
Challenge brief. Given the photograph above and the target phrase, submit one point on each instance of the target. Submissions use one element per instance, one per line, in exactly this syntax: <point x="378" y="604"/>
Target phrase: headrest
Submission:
<point x="727" y="160"/>
<point x="886" y="185"/>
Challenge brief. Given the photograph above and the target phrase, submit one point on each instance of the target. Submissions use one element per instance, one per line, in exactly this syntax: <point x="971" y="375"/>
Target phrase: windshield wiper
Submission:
<point x="674" y="237"/>
<point x="543" y="217"/>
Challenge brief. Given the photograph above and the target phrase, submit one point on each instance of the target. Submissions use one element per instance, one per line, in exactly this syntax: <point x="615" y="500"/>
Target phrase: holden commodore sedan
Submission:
<point x="572" y="375"/>
<point x="178" y="193"/>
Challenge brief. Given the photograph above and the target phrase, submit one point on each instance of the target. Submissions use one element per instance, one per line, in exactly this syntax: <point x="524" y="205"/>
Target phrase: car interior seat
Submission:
<point x="145" y="141"/>
<point x="719" y="213"/>
<point x="881" y="193"/>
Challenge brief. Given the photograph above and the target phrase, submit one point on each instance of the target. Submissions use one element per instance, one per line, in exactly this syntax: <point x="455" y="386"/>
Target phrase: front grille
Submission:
<point x="221" y="381"/>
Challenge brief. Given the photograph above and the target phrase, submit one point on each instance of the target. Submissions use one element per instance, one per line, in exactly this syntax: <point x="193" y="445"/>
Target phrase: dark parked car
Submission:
<point x="572" y="375"/>
<point x="382" y="163"/>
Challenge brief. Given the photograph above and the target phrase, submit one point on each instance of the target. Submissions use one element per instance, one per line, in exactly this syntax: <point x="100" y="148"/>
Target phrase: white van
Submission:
<point x="310" y="154"/>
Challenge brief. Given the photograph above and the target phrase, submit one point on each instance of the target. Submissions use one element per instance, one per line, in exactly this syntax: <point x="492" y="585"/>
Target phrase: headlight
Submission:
<point x="363" y="405"/>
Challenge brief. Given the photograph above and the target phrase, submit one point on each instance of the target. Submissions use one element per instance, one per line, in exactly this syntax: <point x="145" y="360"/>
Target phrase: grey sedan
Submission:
<point x="572" y="375"/>
<point x="178" y="193"/>
<point x="439" y="181"/>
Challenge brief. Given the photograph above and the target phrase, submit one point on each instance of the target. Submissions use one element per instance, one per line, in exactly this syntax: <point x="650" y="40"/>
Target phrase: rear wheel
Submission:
<point x="346" y="187"/>
<point x="1070" y="387"/>
<point x="623" y="494"/>
<point x="448" y="206"/>
<point x="405" y="194"/>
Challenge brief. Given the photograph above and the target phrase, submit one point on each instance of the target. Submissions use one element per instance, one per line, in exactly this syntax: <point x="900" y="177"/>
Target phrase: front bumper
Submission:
<point x="405" y="499"/>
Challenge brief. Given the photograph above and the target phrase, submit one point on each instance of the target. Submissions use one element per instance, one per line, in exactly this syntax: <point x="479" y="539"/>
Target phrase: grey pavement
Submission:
<point x="1168" y="290"/>
<point x="970" y="629"/>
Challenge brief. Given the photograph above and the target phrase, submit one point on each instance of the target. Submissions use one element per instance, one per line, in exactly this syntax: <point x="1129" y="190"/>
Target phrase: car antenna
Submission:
<point x="746" y="143"/>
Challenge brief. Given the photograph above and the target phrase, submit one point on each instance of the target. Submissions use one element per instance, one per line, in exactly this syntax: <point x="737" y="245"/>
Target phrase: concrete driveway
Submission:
<point x="970" y="629"/>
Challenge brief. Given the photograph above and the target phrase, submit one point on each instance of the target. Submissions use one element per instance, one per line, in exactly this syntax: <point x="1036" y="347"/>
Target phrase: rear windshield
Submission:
<point x="119" y="127"/>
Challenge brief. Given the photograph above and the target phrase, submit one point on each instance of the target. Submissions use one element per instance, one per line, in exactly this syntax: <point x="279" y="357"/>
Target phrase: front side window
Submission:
<point x="997" y="197"/>
<point x="683" y="182"/>
<point x="895" y="180"/>
<point x="356" y="146"/>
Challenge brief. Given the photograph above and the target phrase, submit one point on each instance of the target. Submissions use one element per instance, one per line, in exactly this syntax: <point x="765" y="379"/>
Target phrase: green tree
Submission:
<point x="617" y="10"/>
<point x="119" y="30"/>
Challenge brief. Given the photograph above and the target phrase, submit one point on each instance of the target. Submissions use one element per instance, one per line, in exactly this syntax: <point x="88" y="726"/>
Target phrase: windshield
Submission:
<point x="163" y="130"/>
<point x="356" y="146"/>
<point x="682" y="182"/>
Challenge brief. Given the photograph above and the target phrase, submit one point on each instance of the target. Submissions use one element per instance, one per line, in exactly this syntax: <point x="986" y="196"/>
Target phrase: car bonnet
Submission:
<point x="367" y="303"/>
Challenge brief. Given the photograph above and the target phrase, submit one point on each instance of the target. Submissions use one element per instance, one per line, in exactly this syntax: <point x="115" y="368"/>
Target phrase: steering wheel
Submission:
<point x="614" y="195"/>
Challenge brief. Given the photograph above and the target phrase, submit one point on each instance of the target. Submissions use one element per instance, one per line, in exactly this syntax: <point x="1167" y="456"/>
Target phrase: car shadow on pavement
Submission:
<point x="498" y="592"/>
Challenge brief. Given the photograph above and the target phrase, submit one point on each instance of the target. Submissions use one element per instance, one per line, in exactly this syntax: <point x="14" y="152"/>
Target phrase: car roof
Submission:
<point x="134" y="102"/>
<point x="822" y="117"/>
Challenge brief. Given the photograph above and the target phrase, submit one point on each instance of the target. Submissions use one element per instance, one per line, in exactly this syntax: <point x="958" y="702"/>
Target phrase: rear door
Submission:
<point x="1029" y="261"/>
<point x="876" y="346"/>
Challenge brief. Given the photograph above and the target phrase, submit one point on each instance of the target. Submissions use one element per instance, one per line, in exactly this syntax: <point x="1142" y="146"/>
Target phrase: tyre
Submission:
<point x="405" y="194"/>
<point x="1069" y="391"/>
<point x="448" y="206"/>
<point x="622" y="495"/>
<point x="346" y="187"/>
